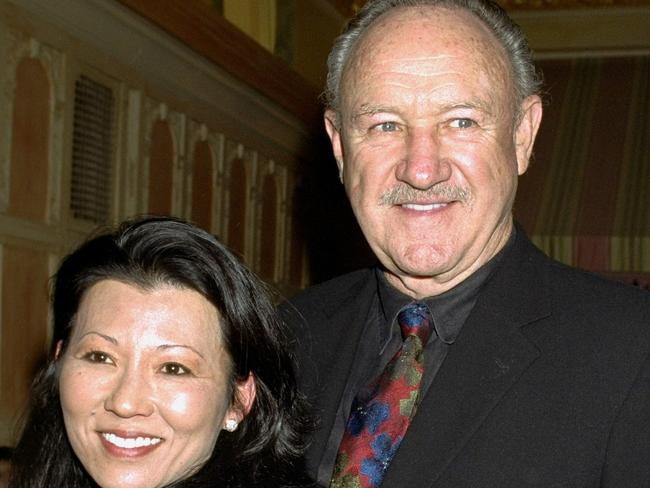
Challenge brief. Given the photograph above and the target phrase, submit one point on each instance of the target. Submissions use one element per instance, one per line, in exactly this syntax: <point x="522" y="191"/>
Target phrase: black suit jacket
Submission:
<point x="548" y="384"/>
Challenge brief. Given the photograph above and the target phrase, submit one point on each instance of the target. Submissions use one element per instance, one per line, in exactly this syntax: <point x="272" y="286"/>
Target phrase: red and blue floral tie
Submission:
<point x="376" y="427"/>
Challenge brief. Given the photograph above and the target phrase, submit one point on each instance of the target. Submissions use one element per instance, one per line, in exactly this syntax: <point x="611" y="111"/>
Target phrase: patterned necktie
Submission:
<point x="376" y="428"/>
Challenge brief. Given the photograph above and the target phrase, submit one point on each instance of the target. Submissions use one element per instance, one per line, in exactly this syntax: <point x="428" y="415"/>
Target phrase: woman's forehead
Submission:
<point x="165" y="312"/>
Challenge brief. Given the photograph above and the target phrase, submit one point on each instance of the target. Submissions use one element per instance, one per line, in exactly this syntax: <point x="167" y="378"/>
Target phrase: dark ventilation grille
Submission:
<point x="92" y="151"/>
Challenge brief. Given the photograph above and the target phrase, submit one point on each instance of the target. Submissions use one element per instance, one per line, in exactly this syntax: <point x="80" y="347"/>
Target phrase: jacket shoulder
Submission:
<point x="329" y="295"/>
<point x="588" y="288"/>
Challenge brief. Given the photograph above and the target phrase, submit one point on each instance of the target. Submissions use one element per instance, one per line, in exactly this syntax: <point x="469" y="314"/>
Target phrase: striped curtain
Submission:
<point x="585" y="199"/>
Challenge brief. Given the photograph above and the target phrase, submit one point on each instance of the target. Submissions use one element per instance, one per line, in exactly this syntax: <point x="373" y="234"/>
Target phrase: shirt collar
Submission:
<point x="449" y="310"/>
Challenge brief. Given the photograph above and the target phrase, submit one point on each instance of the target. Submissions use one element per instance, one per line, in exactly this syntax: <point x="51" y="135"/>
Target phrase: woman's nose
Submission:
<point x="130" y="395"/>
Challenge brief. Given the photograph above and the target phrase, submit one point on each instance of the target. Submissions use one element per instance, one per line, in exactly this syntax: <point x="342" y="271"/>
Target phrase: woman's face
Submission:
<point x="144" y="384"/>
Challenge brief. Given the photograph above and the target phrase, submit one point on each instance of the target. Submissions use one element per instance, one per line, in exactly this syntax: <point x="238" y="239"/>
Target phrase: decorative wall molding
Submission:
<point x="201" y="28"/>
<point x="18" y="47"/>
<point x="580" y="33"/>
<point x="149" y="53"/>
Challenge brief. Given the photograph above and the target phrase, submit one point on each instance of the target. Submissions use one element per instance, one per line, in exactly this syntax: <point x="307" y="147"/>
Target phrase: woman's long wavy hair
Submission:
<point x="266" y="448"/>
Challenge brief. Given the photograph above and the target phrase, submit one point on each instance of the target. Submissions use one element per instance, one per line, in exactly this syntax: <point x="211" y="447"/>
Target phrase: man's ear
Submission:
<point x="332" y="126"/>
<point x="526" y="130"/>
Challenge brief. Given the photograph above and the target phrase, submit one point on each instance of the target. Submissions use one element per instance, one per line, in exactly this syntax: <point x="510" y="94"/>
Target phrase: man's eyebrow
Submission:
<point x="367" y="109"/>
<point x="481" y="105"/>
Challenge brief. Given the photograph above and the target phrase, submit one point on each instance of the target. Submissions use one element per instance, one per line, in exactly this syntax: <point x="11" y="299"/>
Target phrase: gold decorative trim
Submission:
<point x="569" y="4"/>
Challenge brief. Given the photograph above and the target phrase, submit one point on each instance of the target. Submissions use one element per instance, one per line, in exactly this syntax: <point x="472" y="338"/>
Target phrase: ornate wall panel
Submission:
<point x="186" y="141"/>
<point x="202" y="185"/>
<point x="295" y="255"/>
<point x="239" y="195"/>
<point x="164" y="159"/>
<point x="33" y="98"/>
<point x="24" y="325"/>
<point x="205" y="177"/>
<point x="28" y="189"/>
<point x="270" y="204"/>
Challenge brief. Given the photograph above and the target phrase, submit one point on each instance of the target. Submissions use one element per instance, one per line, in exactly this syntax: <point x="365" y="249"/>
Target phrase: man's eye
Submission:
<point x="98" y="357"/>
<point x="462" y="123"/>
<point x="386" y="127"/>
<point x="175" y="369"/>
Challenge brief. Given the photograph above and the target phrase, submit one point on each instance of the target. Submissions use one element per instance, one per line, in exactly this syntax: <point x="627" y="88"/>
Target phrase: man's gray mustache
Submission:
<point x="404" y="194"/>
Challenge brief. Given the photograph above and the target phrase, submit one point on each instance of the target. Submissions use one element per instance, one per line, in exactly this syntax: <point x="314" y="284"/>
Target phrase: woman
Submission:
<point x="168" y="369"/>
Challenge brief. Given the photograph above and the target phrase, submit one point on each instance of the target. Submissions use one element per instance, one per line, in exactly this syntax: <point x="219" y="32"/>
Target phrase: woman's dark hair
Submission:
<point x="6" y="453"/>
<point x="266" y="448"/>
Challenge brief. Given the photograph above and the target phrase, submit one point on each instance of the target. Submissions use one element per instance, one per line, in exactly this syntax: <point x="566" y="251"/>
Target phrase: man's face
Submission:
<point x="428" y="146"/>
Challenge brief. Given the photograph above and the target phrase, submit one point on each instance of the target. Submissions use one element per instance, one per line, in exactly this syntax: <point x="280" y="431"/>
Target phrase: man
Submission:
<point x="533" y="374"/>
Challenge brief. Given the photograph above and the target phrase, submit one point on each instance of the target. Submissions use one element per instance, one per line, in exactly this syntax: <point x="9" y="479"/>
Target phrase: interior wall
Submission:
<point x="192" y="140"/>
<point x="177" y="143"/>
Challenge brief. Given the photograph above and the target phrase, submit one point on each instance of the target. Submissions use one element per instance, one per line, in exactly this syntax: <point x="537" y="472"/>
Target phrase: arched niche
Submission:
<point x="161" y="169"/>
<point x="268" y="228"/>
<point x="296" y="245"/>
<point x="202" y="177"/>
<point x="237" y="206"/>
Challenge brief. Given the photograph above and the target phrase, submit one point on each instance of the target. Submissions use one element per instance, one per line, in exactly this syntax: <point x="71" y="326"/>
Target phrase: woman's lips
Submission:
<point x="129" y="446"/>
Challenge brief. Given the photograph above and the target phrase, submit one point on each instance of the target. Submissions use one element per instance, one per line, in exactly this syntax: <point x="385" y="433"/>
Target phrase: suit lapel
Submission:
<point x="334" y="351"/>
<point x="488" y="357"/>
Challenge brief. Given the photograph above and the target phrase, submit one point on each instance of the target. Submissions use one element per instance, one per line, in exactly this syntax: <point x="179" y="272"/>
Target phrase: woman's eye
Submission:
<point x="462" y="123"/>
<point x="175" y="369"/>
<point x="98" y="357"/>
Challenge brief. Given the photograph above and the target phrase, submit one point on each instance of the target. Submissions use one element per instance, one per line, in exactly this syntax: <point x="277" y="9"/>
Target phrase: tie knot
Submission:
<point x="415" y="319"/>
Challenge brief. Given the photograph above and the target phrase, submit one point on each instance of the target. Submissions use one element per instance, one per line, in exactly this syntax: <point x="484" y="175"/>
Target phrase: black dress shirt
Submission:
<point x="449" y="312"/>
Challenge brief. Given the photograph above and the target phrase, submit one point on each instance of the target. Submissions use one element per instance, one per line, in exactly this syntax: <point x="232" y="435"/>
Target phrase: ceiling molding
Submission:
<point x="511" y="5"/>
<point x="348" y="8"/>
<point x="199" y="26"/>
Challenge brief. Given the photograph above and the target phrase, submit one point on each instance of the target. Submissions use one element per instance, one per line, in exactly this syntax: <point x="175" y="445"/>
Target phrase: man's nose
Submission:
<point x="130" y="395"/>
<point x="423" y="166"/>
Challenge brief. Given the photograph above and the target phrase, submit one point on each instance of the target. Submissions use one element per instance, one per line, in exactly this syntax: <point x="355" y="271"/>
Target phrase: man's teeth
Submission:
<point x="422" y="208"/>
<point x="130" y="443"/>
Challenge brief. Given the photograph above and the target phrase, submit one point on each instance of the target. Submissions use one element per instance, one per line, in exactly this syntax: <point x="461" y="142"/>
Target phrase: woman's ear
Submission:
<point x="244" y="397"/>
<point x="58" y="349"/>
<point x="245" y="392"/>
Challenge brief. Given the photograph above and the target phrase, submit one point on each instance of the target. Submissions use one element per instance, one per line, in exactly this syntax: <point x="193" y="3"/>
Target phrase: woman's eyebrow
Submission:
<point x="184" y="346"/>
<point x="110" y="339"/>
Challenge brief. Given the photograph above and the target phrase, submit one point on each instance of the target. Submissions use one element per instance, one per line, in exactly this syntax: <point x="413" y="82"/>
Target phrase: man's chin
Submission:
<point x="420" y="279"/>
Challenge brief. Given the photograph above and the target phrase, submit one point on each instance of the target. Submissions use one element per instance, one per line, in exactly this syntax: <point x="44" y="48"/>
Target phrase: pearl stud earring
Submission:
<point x="231" y="425"/>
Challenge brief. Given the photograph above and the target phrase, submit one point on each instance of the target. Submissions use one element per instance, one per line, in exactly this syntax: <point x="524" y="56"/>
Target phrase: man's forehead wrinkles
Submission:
<point x="425" y="58"/>
<point x="443" y="105"/>
<point x="435" y="64"/>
